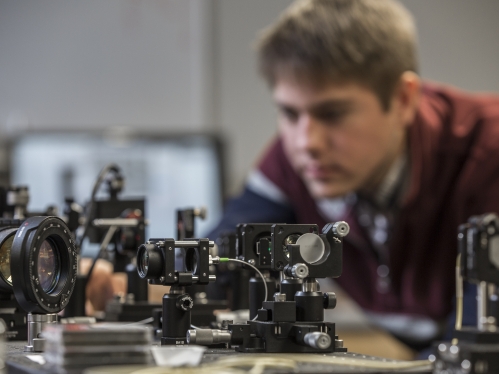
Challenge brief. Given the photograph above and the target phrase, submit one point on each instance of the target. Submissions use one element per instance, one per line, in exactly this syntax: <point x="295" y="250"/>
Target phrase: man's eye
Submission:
<point x="290" y="114"/>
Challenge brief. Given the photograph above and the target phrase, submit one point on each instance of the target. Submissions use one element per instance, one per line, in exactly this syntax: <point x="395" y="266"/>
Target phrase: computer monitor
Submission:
<point x="171" y="172"/>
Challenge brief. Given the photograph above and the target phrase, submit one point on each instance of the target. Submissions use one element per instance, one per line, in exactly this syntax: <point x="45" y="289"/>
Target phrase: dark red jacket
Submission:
<point x="454" y="161"/>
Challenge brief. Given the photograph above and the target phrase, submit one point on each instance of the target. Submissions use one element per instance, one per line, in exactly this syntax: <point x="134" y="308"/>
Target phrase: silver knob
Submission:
<point x="341" y="228"/>
<point x="318" y="340"/>
<point x="207" y="336"/>
<point x="299" y="271"/>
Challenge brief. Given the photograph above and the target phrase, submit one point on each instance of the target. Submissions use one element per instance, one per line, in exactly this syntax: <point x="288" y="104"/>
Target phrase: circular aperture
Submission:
<point x="312" y="248"/>
<point x="49" y="266"/>
<point x="44" y="265"/>
<point x="5" y="248"/>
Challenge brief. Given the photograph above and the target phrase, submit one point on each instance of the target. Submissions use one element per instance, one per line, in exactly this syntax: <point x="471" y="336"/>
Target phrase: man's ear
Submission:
<point x="407" y="96"/>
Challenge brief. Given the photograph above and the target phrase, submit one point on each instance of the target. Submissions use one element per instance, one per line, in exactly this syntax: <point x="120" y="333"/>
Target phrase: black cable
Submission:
<point x="102" y="249"/>
<point x="91" y="205"/>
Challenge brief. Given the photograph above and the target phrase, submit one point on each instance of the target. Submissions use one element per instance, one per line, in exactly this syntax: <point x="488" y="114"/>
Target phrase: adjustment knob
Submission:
<point x="318" y="340"/>
<point x="341" y="228"/>
<point x="329" y="300"/>
<point x="185" y="303"/>
<point x="299" y="271"/>
<point x="208" y="336"/>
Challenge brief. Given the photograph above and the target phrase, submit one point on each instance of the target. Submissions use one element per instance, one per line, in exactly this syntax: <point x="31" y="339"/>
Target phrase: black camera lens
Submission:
<point x="149" y="261"/>
<point x="43" y="254"/>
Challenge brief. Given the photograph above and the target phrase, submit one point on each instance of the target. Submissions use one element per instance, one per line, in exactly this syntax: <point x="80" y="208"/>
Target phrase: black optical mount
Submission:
<point x="475" y="349"/>
<point x="156" y="262"/>
<point x="294" y="325"/>
<point x="38" y="264"/>
<point x="34" y="293"/>
<point x="186" y="221"/>
<point x="202" y="314"/>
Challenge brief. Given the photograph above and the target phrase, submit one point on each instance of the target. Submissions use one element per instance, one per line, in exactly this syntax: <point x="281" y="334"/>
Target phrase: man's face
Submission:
<point x="338" y="137"/>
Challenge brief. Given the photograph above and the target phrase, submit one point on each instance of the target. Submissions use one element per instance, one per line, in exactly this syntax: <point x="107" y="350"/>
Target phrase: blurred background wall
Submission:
<point x="188" y="65"/>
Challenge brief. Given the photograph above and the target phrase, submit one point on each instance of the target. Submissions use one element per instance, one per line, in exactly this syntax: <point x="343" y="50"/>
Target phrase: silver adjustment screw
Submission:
<point x="341" y="228"/>
<point x="299" y="271"/>
<point x="208" y="336"/>
<point x="318" y="340"/>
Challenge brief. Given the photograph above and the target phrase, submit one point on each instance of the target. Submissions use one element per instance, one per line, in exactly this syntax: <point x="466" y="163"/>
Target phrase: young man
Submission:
<point x="362" y="139"/>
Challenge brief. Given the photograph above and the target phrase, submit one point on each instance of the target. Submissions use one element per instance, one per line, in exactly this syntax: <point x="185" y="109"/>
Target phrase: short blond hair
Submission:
<point x="371" y="42"/>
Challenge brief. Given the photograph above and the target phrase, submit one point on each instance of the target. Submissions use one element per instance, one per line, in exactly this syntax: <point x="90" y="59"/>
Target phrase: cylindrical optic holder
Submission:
<point x="290" y="287"/>
<point x="177" y="306"/>
<point x="36" y="324"/>
<point x="309" y="306"/>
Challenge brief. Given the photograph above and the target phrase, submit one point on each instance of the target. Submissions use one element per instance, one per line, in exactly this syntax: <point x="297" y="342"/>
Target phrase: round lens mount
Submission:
<point x="45" y="258"/>
<point x="149" y="261"/>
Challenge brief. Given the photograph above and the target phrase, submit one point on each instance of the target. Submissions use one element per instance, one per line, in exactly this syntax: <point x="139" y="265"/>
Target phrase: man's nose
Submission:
<point x="312" y="135"/>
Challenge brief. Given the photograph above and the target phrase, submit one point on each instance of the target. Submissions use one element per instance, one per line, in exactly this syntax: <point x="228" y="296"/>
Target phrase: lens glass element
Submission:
<point x="5" y="259"/>
<point x="144" y="263"/>
<point x="48" y="266"/>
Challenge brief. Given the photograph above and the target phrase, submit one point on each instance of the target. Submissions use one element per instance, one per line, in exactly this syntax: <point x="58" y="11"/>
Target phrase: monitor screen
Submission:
<point x="170" y="172"/>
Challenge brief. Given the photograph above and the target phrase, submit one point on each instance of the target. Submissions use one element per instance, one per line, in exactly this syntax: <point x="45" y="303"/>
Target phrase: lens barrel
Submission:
<point x="44" y="257"/>
<point x="149" y="261"/>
